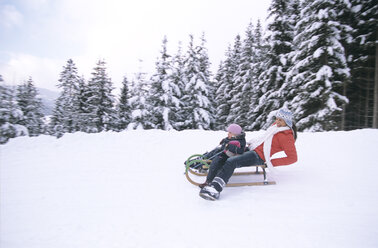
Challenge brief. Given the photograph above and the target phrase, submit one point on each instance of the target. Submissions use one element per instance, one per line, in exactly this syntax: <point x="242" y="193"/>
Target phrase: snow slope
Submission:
<point x="128" y="190"/>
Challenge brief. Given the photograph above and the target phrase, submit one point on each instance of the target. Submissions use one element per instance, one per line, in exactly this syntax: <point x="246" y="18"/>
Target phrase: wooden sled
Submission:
<point x="205" y="163"/>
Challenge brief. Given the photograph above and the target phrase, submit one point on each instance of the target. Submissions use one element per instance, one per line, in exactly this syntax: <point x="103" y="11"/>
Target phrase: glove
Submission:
<point x="233" y="146"/>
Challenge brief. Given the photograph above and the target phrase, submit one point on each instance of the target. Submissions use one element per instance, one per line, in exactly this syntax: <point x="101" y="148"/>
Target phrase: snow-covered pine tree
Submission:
<point x="321" y="67"/>
<point x="363" y="59"/>
<point x="260" y="50"/>
<point x="289" y="89"/>
<point x="139" y="89"/>
<point x="31" y="106"/>
<point x="206" y="76"/>
<point x="220" y="104"/>
<point x="178" y="117"/>
<point x="83" y="119"/>
<point x="273" y="77"/>
<point x="234" y="91"/>
<point x="66" y="114"/>
<point x="244" y="79"/>
<point x="196" y="78"/>
<point x="162" y="93"/>
<point x="100" y="100"/>
<point x="10" y="115"/>
<point x="123" y="106"/>
<point x="225" y="85"/>
<point x="55" y="125"/>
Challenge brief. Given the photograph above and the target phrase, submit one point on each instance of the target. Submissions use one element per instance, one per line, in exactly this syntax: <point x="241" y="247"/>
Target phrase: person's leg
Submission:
<point x="216" y="164"/>
<point x="225" y="173"/>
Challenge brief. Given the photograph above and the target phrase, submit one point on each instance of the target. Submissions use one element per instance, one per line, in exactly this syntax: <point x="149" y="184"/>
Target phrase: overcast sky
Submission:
<point x="37" y="37"/>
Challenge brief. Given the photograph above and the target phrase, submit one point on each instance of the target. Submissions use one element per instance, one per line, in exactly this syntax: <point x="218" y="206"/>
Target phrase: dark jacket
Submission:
<point x="237" y="149"/>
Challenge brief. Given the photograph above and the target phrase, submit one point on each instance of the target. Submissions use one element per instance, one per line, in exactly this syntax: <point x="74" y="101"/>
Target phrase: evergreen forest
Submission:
<point x="318" y="58"/>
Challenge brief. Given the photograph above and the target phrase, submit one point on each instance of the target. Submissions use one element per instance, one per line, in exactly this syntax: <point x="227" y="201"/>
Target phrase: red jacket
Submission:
<point x="282" y="141"/>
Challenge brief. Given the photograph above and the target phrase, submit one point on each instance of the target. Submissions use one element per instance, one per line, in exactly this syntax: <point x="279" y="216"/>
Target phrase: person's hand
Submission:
<point x="233" y="146"/>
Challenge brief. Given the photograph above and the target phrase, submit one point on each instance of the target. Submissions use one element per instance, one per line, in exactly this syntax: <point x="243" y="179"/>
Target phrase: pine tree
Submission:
<point x="234" y="90"/>
<point x="225" y="84"/>
<point x="11" y="116"/>
<point x="196" y="103"/>
<point x="260" y="49"/>
<point x="220" y="103"/>
<point x="293" y="18"/>
<point x="139" y="89"/>
<point x="178" y="114"/>
<point x="83" y="106"/>
<point x="66" y="115"/>
<point x="206" y="75"/>
<point x="31" y="106"/>
<point x="273" y="78"/>
<point x="161" y="95"/>
<point x="243" y="80"/>
<point x="362" y="53"/>
<point x="100" y="100"/>
<point x="123" y="106"/>
<point x="321" y="68"/>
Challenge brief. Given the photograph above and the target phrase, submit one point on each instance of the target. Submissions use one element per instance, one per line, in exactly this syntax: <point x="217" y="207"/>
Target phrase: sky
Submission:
<point x="37" y="37"/>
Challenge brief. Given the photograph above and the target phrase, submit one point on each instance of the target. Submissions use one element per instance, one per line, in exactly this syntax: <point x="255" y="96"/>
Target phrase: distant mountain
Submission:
<point x="48" y="99"/>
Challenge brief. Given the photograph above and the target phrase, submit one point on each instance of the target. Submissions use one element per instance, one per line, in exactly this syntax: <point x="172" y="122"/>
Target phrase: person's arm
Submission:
<point x="234" y="146"/>
<point x="287" y="143"/>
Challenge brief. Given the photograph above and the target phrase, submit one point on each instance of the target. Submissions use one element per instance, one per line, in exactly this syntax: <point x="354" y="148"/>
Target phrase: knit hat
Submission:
<point x="235" y="129"/>
<point x="285" y="115"/>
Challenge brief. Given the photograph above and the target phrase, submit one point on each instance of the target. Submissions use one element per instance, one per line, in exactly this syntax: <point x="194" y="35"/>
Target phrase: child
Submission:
<point x="234" y="144"/>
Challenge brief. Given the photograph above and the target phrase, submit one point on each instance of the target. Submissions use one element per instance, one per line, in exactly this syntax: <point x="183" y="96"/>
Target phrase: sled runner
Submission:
<point x="197" y="165"/>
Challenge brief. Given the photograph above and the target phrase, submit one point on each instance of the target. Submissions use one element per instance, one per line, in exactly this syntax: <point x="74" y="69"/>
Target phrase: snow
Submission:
<point x="323" y="14"/>
<point x="128" y="190"/>
<point x="318" y="52"/>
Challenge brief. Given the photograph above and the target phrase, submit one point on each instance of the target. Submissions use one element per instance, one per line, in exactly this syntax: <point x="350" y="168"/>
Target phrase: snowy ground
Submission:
<point x="128" y="190"/>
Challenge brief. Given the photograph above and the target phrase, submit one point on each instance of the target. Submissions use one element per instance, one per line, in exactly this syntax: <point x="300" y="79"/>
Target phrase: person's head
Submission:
<point x="234" y="130"/>
<point x="284" y="118"/>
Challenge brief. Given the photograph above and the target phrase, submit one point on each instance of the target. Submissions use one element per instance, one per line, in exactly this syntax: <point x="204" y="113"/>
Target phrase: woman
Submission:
<point x="279" y="137"/>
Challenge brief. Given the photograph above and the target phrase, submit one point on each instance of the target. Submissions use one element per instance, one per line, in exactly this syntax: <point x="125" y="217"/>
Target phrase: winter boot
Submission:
<point x="209" y="193"/>
<point x="218" y="183"/>
<point x="202" y="185"/>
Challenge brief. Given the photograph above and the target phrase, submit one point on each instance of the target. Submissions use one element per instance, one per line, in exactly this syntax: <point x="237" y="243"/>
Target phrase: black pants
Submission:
<point x="224" y="167"/>
<point x="215" y="166"/>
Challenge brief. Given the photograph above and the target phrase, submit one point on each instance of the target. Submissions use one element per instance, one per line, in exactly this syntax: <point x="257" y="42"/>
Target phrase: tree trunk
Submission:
<point x="344" y="107"/>
<point x="375" y="109"/>
<point x="367" y="100"/>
